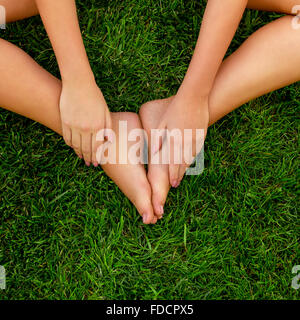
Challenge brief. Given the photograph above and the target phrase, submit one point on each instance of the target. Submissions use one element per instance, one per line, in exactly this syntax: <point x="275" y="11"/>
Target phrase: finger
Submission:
<point x="158" y="137"/>
<point x="98" y="145"/>
<point x="174" y="175"/>
<point x="94" y="150"/>
<point x="76" y="142"/>
<point x="175" y="156"/>
<point x="67" y="135"/>
<point x="78" y="154"/>
<point x="86" y="141"/>
<point x="108" y="125"/>
<point x="187" y="160"/>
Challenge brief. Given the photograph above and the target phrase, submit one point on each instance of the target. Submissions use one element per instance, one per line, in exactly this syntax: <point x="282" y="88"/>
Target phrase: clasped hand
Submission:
<point x="84" y="112"/>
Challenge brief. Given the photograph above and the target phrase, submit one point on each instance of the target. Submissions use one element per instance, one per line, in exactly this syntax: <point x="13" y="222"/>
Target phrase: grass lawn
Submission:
<point x="67" y="231"/>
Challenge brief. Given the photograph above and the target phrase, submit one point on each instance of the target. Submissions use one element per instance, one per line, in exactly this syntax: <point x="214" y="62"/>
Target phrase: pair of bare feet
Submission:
<point x="147" y="191"/>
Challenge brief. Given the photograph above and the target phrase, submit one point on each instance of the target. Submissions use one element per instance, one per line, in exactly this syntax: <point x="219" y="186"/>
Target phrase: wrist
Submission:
<point x="78" y="79"/>
<point x="76" y="70"/>
<point x="192" y="96"/>
<point x="196" y="85"/>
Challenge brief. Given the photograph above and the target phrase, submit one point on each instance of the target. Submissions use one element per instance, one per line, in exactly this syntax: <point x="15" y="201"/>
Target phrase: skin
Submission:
<point x="250" y="72"/>
<point x="265" y="62"/>
<point x="82" y="106"/>
<point x="189" y="108"/>
<point x="35" y="94"/>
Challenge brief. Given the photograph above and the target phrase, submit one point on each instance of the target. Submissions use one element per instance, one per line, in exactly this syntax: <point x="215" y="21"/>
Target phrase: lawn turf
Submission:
<point x="68" y="232"/>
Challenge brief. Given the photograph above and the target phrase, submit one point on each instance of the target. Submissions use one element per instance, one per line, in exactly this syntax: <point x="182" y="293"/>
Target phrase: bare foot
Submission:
<point x="131" y="178"/>
<point x="158" y="174"/>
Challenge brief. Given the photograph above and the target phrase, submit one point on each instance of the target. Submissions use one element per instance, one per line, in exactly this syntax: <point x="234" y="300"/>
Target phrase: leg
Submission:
<point x="19" y="9"/>
<point x="273" y="5"/>
<point x="34" y="93"/>
<point x="268" y="60"/>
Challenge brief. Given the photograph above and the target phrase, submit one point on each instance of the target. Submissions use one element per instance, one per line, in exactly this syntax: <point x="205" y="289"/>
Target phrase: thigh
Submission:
<point x="265" y="62"/>
<point x="19" y="9"/>
<point x="282" y="6"/>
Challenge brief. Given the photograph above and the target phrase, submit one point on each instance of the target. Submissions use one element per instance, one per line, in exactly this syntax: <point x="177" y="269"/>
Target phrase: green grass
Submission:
<point x="67" y="232"/>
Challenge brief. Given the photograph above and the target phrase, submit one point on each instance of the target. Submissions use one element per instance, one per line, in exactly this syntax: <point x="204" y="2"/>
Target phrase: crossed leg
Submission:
<point x="19" y="9"/>
<point x="266" y="61"/>
<point x="34" y="93"/>
<point x="29" y="90"/>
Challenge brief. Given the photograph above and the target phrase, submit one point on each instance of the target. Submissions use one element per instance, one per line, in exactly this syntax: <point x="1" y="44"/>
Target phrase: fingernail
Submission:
<point x="95" y="164"/>
<point x="161" y="209"/>
<point x="174" y="183"/>
<point x="87" y="163"/>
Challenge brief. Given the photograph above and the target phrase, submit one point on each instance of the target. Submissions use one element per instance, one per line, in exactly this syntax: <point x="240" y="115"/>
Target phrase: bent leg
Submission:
<point x="282" y="6"/>
<point x="34" y="93"/>
<point x="268" y="60"/>
<point x="19" y="9"/>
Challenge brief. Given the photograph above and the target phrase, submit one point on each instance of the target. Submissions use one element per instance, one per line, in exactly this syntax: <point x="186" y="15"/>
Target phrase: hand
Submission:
<point x="184" y="112"/>
<point x="83" y="113"/>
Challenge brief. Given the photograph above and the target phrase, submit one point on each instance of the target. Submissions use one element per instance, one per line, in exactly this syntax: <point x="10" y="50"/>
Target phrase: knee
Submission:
<point x="294" y="18"/>
<point x="291" y="23"/>
<point x="294" y="7"/>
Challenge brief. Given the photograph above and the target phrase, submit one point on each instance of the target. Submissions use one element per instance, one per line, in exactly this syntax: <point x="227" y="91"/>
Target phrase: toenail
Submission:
<point x="174" y="183"/>
<point x="95" y="164"/>
<point x="87" y="163"/>
<point x="161" y="209"/>
<point x="145" y="216"/>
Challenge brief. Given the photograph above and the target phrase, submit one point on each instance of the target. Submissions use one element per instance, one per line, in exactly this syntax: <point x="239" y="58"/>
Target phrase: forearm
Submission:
<point x="220" y="22"/>
<point x="61" y="23"/>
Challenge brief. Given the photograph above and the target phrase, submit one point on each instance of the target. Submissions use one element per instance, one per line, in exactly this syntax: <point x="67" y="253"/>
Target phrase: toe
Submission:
<point x="146" y="212"/>
<point x="158" y="201"/>
<point x="147" y="217"/>
<point x="143" y="203"/>
<point x="154" y="220"/>
<point x="159" y="181"/>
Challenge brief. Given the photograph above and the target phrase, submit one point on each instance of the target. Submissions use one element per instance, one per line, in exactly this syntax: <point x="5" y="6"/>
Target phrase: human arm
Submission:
<point x="83" y="108"/>
<point x="189" y="108"/>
